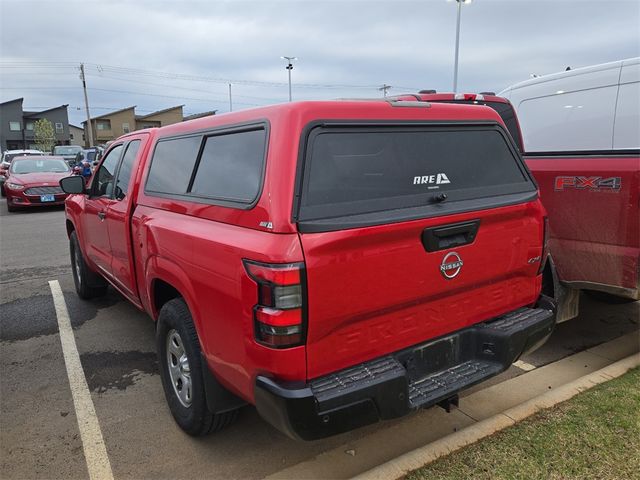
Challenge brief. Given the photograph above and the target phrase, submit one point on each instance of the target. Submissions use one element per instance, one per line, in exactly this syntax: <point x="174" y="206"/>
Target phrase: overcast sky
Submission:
<point x="345" y="48"/>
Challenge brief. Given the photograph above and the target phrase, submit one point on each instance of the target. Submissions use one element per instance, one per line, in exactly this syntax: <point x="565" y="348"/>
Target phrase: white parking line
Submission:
<point x="95" y="452"/>
<point x="527" y="367"/>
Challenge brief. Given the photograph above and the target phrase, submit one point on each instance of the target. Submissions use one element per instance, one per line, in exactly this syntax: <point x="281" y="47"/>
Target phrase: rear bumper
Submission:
<point x="393" y="385"/>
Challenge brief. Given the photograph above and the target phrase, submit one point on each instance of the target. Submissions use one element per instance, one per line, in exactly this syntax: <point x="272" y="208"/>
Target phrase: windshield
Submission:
<point x="39" y="165"/>
<point x="65" y="150"/>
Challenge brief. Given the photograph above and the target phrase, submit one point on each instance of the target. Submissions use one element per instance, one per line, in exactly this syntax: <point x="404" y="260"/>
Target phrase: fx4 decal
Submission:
<point x="588" y="183"/>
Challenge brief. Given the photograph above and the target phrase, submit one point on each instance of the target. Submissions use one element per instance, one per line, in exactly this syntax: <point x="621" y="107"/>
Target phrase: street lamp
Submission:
<point x="289" y="67"/>
<point x="455" y="67"/>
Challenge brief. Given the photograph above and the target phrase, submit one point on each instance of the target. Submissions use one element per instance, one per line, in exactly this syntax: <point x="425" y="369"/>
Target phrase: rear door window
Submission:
<point x="355" y="170"/>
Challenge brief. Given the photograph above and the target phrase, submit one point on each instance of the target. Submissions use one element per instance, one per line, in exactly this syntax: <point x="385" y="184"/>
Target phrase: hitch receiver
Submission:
<point x="447" y="403"/>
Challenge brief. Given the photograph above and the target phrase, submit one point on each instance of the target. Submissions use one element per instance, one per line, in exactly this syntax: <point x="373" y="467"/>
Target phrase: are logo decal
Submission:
<point x="587" y="183"/>
<point x="451" y="265"/>
<point x="433" y="180"/>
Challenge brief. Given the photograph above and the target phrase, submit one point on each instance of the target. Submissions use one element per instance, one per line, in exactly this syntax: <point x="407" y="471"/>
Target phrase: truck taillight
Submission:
<point x="545" y="244"/>
<point x="279" y="313"/>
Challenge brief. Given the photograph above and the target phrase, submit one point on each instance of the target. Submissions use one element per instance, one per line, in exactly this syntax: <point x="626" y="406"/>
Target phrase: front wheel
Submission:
<point x="181" y="372"/>
<point x="88" y="284"/>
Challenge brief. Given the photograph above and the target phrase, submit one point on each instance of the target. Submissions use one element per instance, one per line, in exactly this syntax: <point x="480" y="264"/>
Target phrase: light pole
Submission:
<point x="455" y="67"/>
<point x="289" y="67"/>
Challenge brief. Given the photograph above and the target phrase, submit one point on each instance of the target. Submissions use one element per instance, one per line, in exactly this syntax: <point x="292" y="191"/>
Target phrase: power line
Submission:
<point x="93" y="89"/>
<point x="189" y="77"/>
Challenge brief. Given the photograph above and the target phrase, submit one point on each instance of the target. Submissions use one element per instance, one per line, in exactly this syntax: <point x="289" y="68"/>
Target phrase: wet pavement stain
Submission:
<point x="35" y="316"/>
<point x="117" y="370"/>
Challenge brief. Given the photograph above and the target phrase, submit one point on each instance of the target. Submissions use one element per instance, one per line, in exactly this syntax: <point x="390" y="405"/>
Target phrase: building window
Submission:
<point x="29" y="126"/>
<point x="14" y="126"/>
<point x="125" y="128"/>
<point x="59" y="128"/>
<point x="70" y="136"/>
<point x="103" y="125"/>
<point x="83" y="139"/>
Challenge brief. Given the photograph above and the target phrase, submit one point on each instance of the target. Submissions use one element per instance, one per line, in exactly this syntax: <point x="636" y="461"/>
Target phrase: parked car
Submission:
<point x="69" y="152"/>
<point x="34" y="182"/>
<point x="7" y="156"/>
<point x="332" y="263"/>
<point x="581" y="139"/>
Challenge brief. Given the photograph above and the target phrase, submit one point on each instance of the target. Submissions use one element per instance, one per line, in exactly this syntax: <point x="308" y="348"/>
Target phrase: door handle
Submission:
<point x="449" y="236"/>
<point x="102" y="215"/>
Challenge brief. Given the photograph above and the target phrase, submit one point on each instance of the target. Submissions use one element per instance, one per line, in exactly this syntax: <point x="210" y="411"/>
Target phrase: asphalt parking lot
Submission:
<point x="39" y="436"/>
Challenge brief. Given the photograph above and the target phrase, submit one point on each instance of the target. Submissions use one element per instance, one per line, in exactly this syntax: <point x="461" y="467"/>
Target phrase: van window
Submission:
<point x="573" y="121"/>
<point x="172" y="164"/>
<point x="230" y="167"/>
<point x="355" y="170"/>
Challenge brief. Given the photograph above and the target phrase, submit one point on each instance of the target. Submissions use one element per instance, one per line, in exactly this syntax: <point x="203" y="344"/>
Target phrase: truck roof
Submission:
<point x="369" y="109"/>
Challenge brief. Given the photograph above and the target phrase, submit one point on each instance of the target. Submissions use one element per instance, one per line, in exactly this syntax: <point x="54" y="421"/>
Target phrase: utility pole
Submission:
<point x="289" y="67"/>
<point x="384" y="89"/>
<point x="86" y="105"/>
<point x="230" y="100"/>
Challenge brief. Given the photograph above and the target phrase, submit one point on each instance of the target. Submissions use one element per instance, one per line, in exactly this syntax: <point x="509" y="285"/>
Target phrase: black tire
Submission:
<point x="11" y="208"/>
<point x="2" y="192"/>
<point x="189" y="411"/>
<point x="88" y="283"/>
<point x="608" y="297"/>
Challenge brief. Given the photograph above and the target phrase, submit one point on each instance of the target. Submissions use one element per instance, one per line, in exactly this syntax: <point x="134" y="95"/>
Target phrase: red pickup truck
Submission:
<point x="581" y="143"/>
<point x="332" y="263"/>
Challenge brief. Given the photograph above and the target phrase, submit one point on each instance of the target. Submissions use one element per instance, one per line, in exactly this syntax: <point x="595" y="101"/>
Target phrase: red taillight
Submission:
<point x="545" y="244"/>
<point x="278" y="315"/>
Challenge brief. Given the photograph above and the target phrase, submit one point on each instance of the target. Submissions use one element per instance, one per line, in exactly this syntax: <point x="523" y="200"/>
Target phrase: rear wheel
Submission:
<point x="181" y="369"/>
<point x="608" y="297"/>
<point x="88" y="284"/>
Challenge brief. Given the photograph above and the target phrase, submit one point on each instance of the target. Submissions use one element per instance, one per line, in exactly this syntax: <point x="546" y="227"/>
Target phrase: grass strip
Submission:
<point x="595" y="435"/>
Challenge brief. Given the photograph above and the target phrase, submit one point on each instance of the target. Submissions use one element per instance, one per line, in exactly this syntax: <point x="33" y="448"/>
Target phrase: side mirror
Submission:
<point x="73" y="184"/>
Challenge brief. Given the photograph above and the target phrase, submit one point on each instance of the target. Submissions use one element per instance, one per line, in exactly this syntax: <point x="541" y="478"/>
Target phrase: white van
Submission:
<point x="594" y="108"/>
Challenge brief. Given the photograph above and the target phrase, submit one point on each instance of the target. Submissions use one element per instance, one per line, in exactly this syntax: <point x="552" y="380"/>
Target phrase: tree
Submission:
<point x="43" y="132"/>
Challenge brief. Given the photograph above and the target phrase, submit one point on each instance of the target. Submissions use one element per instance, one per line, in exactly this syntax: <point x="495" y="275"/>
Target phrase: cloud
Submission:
<point x="359" y="43"/>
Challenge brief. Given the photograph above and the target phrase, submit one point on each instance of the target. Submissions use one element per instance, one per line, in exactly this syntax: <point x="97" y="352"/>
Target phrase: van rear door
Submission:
<point x="411" y="231"/>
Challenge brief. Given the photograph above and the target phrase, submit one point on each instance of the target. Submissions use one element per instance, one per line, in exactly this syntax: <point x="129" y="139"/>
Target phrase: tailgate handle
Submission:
<point x="449" y="236"/>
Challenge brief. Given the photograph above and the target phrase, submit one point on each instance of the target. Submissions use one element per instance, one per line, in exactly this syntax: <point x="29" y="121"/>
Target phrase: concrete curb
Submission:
<point x="402" y="465"/>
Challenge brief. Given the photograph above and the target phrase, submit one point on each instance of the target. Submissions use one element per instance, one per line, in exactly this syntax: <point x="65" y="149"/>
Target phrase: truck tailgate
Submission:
<point x="379" y="290"/>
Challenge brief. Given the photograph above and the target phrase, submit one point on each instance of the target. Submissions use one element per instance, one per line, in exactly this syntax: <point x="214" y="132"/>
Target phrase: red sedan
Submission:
<point x="33" y="182"/>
